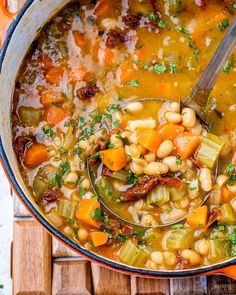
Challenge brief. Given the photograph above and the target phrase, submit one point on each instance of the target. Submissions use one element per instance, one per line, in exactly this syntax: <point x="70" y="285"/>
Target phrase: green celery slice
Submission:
<point x="159" y="195"/>
<point x="228" y="217"/>
<point x="217" y="249"/>
<point x="180" y="239"/>
<point x="131" y="254"/>
<point x="67" y="208"/>
<point x="209" y="151"/>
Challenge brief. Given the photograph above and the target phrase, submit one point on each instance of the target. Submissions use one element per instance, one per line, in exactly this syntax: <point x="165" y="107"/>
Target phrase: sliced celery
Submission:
<point x="209" y="151"/>
<point x="55" y="219"/>
<point x="29" y="116"/>
<point x="48" y="172"/>
<point x="153" y="239"/>
<point x="104" y="188"/>
<point x="228" y="217"/>
<point x="66" y="208"/>
<point x="180" y="239"/>
<point x="217" y="249"/>
<point x="120" y="175"/>
<point x="176" y="194"/>
<point x="131" y="254"/>
<point x="159" y="195"/>
<point x="39" y="186"/>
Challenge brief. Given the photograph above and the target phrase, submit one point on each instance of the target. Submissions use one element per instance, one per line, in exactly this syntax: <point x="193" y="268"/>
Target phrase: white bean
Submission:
<point x="170" y="161"/>
<point x="165" y="149"/>
<point x="233" y="203"/>
<point x="176" y="214"/>
<point x="85" y="183"/>
<point x="135" y="150"/>
<point x="173" y="117"/>
<point x="175" y="107"/>
<point x="148" y="123"/>
<point x="71" y="178"/>
<point x="82" y="234"/>
<point x="150" y="157"/>
<point x="136" y="168"/>
<point x="150" y="264"/>
<point x="192" y="256"/>
<point x="197" y="129"/>
<point x="169" y="258"/>
<point x="203" y="247"/>
<point x="189" y="118"/>
<point x="134" y="107"/>
<point x="147" y="219"/>
<point x="132" y="138"/>
<point x="116" y="141"/>
<point x="205" y="179"/>
<point x="157" y="257"/>
<point x="156" y="168"/>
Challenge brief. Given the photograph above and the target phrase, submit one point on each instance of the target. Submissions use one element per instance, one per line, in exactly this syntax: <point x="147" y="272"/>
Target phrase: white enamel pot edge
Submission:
<point x="21" y="33"/>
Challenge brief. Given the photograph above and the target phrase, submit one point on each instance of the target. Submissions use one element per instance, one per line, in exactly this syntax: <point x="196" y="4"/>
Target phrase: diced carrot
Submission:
<point x="114" y="159"/>
<point x="219" y="17"/>
<point x="54" y="114"/>
<point x="86" y="210"/>
<point x="102" y="7"/>
<point x="234" y="157"/>
<point x="226" y="194"/>
<point x="149" y="139"/>
<point x="54" y="75"/>
<point x="108" y="56"/>
<point x="187" y="144"/>
<point x="79" y="39"/>
<point x="141" y="53"/>
<point x="198" y="217"/>
<point x="78" y="74"/>
<point x="50" y="96"/>
<point x="125" y="119"/>
<point x="46" y="62"/>
<point x="99" y="238"/>
<point x="169" y="131"/>
<point x="35" y="155"/>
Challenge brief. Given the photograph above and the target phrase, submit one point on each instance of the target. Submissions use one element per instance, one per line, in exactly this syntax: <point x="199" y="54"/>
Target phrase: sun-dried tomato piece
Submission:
<point x="214" y="216"/>
<point x="51" y="195"/>
<point x="131" y="21"/>
<point x="20" y="145"/>
<point x="115" y="38"/>
<point x="88" y="92"/>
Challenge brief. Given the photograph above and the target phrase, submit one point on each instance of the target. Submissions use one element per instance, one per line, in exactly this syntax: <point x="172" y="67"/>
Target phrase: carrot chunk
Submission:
<point x="54" y="75"/>
<point x="169" y="131"/>
<point x="149" y="139"/>
<point x="49" y="97"/>
<point x="198" y="217"/>
<point x="35" y="155"/>
<point x="79" y="39"/>
<point x="226" y="194"/>
<point x="187" y="144"/>
<point x="114" y="159"/>
<point x="86" y="210"/>
<point x="99" y="238"/>
<point x="102" y="8"/>
<point x="54" y="115"/>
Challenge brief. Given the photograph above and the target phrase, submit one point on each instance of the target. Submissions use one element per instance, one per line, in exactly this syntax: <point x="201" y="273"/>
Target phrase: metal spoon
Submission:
<point x="197" y="100"/>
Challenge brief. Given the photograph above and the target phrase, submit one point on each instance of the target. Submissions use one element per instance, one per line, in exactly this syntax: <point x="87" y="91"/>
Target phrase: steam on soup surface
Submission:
<point x="75" y="101"/>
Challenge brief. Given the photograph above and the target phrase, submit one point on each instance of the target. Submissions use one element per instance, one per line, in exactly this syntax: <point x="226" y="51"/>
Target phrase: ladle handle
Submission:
<point x="200" y="93"/>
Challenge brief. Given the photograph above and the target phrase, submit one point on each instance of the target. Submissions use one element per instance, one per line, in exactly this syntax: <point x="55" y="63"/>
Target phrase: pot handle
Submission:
<point x="229" y="271"/>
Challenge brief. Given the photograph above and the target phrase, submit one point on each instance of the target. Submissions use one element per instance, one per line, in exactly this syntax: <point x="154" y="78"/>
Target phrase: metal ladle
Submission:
<point x="197" y="101"/>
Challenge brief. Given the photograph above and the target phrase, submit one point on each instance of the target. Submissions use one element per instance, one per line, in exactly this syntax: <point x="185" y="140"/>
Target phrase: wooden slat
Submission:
<point x="142" y="286"/>
<point x="72" y="278"/>
<point x="188" y="286"/>
<point x="31" y="259"/>
<point x="59" y="250"/>
<point x="221" y="285"/>
<point x="19" y="209"/>
<point x="107" y="282"/>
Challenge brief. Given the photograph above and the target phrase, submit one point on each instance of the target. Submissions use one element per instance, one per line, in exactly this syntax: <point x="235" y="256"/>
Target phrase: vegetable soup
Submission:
<point x="87" y="127"/>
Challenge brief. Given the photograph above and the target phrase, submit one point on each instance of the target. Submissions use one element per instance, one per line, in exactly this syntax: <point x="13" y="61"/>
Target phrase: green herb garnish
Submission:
<point x="96" y="214"/>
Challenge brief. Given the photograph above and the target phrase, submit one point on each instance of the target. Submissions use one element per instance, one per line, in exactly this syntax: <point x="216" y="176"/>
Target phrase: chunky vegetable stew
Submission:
<point x="79" y="103"/>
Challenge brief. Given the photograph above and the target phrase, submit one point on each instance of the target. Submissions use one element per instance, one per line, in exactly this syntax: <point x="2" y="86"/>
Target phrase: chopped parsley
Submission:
<point x="177" y="226"/>
<point x="97" y="117"/>
<point x="82" y="191"/>
<point x="179" y="161"/>
<point x="110" y="145"/>
<point x="191" y="44"/>
<point x="230" y="168"/>
<point x="162" y="24"/>
<point x="96" y="214"/>
<point x="223" y="25"/>
<point x="71" y="221"/>
<point x="1" y="286"/>
<point x="186" y="33"/>
<point x="113" y="108"/>
<point x="65" y="167"/>
<point x="159" y="69"/>
<point x="75" y="232"/>
<point x="115" y="124"/>
<point x="56" y="179"/>
<point x="173" y="68"/>
<point x="137" y="62"/>
<point x="119" y="200"/>
<point x="95" y="156"/>
<point x="49" y="132"/>
<point x="152" y="16"/>
<point x="229" y="65"/>
<point x="133" y="83"/>
<point x="78" y="151"/>
<point x="122" y="238"/>
<point x="132" y="178"/>
<point x="139" y="233"/>
<point x="62" y="150"/>
<point x="196" y="52"/>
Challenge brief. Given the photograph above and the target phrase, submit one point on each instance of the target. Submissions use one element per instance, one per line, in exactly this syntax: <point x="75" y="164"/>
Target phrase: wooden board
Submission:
<point x="141" y="286"/>
<point x="31" y="261"/>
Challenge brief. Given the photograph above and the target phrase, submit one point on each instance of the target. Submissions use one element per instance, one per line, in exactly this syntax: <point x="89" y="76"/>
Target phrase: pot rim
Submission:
<point x="61" y="237"/>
